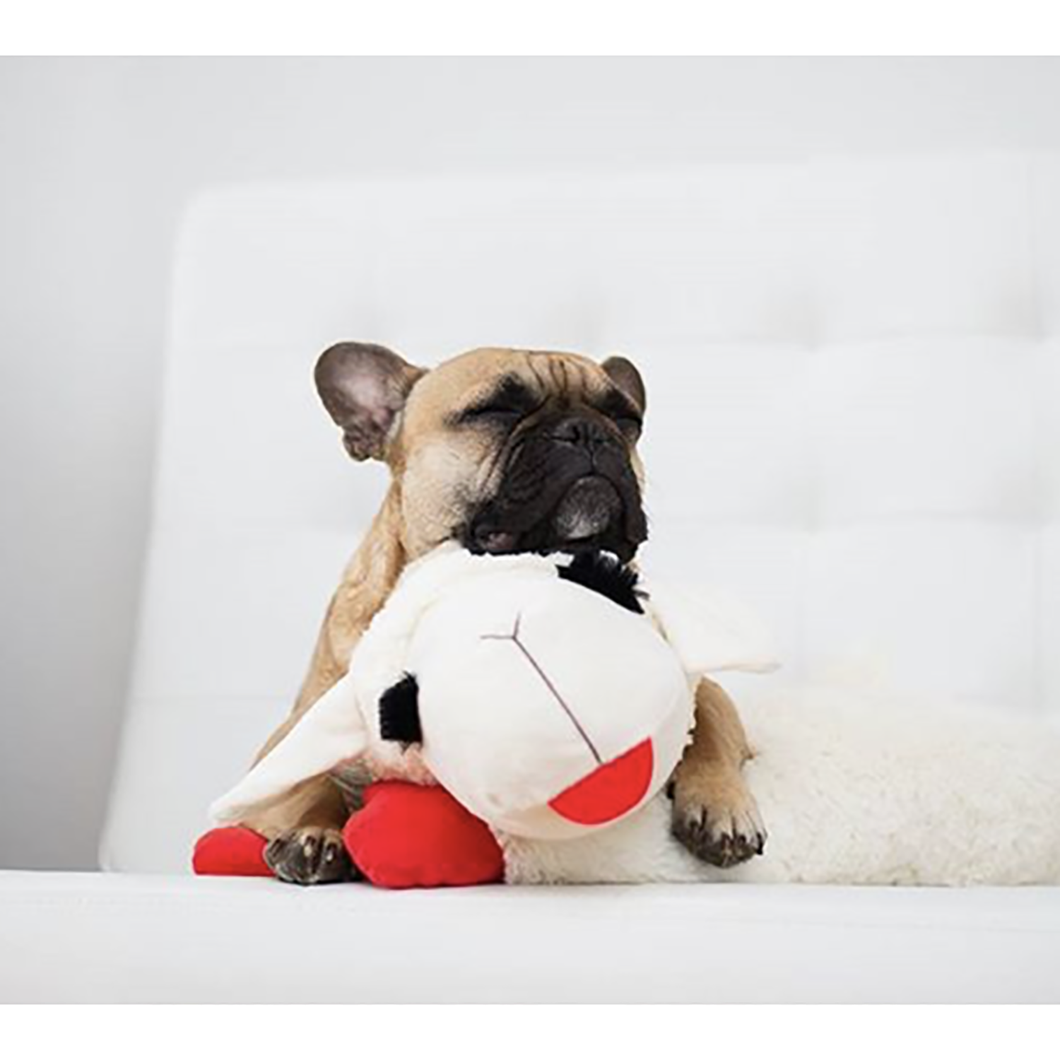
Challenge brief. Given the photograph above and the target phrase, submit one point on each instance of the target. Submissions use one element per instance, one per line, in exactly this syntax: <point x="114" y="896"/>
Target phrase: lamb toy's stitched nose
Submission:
<point x="610" y="790"/>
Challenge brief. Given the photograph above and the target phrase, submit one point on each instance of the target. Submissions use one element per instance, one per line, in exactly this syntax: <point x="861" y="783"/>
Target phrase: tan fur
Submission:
<point x="715" y="813"/>
<point x="435" y="472"/>
<point x="709" y="773"/>
<point x="366" y="583"/>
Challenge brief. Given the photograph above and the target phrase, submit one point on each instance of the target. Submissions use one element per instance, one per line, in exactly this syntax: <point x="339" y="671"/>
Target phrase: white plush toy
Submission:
<point x="556" y="713"/>
<point x="549" y="696"/>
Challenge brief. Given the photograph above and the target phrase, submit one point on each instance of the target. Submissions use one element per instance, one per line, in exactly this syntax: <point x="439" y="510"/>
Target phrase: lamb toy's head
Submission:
<point x="548" y="695"/>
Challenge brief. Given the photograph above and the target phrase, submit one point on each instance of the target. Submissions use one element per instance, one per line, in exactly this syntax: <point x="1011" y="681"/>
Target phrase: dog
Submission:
<point x="501" y="450"/>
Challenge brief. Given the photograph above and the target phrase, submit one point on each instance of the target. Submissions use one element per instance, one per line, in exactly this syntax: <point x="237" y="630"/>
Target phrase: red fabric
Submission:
<point x="232" y="851"/>
<point x="412" y="836"/>
<point x="406" y="836"/>
<point x="610" y="790"/>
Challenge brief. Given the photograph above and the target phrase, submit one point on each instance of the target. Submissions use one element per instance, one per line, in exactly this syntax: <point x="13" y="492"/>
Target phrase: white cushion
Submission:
<point x="854" y="420"/>
<point x="97" y="938"/>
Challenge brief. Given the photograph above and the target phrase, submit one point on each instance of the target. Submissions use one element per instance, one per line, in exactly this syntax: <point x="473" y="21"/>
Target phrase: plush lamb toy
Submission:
<point x="549" y="697"/>
<point x="552" y="716"/>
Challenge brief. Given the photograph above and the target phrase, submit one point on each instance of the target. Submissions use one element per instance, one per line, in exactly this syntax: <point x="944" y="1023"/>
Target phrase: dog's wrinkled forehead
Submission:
<point x="510" y="381"/>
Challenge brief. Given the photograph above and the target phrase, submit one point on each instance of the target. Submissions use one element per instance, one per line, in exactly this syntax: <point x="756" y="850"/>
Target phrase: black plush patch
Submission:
<point x="604" y="574"/>
<point x="399" y="712"/>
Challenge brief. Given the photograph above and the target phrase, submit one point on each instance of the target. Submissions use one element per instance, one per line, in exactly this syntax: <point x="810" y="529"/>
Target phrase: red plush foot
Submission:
<point x="412" y="836"/>
<point x="230" y="852"/>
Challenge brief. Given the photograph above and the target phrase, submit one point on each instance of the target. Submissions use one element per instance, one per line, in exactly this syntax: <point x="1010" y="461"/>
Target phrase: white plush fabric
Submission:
<point x="492" y="731"/>
<point x="856" y="788"/>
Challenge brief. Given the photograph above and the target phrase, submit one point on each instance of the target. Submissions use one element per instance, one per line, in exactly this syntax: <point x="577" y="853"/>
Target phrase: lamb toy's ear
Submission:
<point x="331" y="732"/>
<point x="711" y="634"/>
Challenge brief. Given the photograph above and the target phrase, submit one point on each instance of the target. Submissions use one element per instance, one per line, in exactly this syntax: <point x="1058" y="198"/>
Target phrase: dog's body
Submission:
<point x="503" y="451"/>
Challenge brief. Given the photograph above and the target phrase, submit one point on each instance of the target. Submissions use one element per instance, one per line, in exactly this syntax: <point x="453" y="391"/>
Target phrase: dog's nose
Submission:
<point x="609" y="791"/>
<point x="580" y="430"/>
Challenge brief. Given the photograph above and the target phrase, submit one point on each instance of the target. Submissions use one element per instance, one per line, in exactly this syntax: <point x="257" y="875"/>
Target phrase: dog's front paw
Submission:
<point x="720" y="826"/>
<point x="310" y="855"/>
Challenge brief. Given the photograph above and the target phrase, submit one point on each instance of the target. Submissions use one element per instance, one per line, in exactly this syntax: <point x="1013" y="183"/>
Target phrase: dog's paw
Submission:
<point x="725" y="830"/>
<point x="310" y="855"/>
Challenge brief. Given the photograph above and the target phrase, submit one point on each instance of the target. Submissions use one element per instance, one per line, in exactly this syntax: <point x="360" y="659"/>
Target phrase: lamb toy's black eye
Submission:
<point x="399" y="712"/>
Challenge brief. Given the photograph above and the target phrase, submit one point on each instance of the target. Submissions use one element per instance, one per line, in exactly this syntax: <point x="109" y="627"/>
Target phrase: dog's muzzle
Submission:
<point x="567" y="486"/>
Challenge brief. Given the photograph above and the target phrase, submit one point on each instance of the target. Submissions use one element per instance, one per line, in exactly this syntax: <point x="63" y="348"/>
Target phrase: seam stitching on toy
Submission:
<point x="513" y="637"/>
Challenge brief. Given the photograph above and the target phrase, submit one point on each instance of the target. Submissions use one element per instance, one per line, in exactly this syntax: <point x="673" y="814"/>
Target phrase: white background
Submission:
<point x="99" y="157"/>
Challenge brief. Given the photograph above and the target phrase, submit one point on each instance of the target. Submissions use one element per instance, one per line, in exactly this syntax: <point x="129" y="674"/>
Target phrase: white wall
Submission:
<point x="97" y="158"/>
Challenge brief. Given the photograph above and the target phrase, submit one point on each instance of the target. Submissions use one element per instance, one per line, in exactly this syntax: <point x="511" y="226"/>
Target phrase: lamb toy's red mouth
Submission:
<point x="610" y="790"/>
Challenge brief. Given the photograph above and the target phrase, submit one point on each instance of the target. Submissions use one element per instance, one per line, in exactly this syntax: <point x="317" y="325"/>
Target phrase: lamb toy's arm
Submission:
<point x="331" y="732"/>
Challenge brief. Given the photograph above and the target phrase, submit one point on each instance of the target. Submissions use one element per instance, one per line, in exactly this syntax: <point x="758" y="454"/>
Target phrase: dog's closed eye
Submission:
<point x="507" y="403"/>
<point x="622" y="413"/>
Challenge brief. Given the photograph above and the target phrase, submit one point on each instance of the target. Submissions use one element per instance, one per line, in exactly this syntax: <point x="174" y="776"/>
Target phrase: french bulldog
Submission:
<point x="501" y="450"/>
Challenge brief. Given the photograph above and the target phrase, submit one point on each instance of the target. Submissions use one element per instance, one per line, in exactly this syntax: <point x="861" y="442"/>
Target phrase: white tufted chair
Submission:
<point x="853" y="375"/>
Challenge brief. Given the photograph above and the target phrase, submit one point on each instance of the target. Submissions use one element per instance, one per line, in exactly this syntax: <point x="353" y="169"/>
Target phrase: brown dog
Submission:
<point x="503" y="451"/>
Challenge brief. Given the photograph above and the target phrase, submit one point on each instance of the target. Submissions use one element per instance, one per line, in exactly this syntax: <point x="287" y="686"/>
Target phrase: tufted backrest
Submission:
<point x="854" y="415"/>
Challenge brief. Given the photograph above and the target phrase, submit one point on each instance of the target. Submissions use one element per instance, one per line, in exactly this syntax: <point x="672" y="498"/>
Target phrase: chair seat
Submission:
<point x="90" y="937"/>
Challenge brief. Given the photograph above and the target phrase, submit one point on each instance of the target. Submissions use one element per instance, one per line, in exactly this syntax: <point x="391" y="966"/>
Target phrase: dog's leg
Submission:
<point x="714" y="813"/>
<point x="304" y="829"/>
<point x="304" y="825"/>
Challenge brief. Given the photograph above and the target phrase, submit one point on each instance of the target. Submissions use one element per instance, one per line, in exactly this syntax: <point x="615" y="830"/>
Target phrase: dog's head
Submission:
<point x="501" y="450"/>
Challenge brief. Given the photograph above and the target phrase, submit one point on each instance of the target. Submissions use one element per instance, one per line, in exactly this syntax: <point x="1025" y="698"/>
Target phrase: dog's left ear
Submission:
<point x="623" y="373"/>
<point x="364" y="388"/>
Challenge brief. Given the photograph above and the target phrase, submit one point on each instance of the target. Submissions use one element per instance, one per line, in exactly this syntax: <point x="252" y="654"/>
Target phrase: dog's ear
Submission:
<point x="623" y="373"/>
<point x="364" y="388"/>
